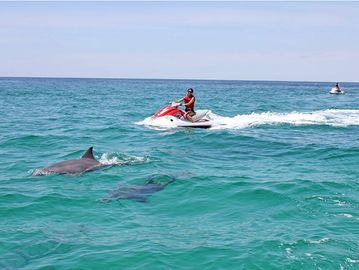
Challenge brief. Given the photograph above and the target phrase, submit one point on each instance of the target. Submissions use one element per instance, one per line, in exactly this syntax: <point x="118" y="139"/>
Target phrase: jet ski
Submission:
<point x="336" y="91"/>
<point x="174" y="117"/>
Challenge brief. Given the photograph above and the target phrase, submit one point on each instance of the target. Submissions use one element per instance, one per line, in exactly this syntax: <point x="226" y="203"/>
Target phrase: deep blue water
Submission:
<point x="274" y="185"/>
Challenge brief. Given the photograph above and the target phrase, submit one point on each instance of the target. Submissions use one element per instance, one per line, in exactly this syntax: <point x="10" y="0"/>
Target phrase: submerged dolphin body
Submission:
<point x="139" y="193"/>
<point x="86" y="163"/>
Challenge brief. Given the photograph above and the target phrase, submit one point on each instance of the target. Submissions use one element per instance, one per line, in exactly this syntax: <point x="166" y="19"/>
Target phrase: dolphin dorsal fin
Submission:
<point x="88" y="153"/>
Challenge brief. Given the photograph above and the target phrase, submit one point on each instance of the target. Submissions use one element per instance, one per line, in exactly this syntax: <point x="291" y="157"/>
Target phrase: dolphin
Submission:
<point x="86" y="163"/>
<point x="139" y="193"/>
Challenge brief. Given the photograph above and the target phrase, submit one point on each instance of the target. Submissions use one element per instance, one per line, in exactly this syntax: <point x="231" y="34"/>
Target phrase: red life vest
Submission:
<point x="187" y="99"/>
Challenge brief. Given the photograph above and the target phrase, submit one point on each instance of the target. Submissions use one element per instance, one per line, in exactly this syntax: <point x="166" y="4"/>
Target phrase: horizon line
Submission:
<point x="169" y="79"/>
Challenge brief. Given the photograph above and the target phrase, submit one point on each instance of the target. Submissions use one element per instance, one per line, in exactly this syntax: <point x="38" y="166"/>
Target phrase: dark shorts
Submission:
<point x="190" y="112"/>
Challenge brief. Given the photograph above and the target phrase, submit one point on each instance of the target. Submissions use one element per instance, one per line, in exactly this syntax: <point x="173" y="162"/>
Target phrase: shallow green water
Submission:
<point x="274" y="185"/>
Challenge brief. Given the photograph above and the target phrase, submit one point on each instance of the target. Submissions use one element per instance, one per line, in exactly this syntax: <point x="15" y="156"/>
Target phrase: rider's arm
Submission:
<point x="179" y="100"/>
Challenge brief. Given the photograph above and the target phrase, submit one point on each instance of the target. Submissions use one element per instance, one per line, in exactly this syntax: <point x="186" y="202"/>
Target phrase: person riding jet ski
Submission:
<point x="188" y="102"/>
<point x="336" y="89"/>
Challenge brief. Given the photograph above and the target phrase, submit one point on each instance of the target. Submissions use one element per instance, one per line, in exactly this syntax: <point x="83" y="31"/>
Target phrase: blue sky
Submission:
<point x="308" y="41"/>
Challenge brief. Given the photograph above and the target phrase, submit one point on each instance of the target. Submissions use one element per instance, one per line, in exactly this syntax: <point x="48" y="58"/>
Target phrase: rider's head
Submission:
<point x="189" y="91"/>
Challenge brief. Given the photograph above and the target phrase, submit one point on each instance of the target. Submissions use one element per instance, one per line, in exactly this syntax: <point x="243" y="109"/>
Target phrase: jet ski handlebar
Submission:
<point x="175" y="104"/>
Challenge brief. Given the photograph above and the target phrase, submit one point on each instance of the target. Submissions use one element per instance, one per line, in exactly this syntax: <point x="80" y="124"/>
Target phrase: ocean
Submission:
<point x="273" y="184"/>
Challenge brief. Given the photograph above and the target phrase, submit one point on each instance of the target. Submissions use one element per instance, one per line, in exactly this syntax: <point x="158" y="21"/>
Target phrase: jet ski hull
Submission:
<point x="335" y="91"/>
<point x="195" y="125"/>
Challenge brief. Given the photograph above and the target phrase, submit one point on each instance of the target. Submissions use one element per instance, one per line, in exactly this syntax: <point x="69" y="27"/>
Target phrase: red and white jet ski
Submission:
<point x="174" y="117"/>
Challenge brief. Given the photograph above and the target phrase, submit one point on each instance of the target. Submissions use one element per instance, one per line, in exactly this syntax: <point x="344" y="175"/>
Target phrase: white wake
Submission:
<point x="332" y="117"/>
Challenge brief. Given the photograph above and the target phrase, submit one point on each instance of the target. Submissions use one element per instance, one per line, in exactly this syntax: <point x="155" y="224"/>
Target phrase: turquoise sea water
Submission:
<point x="273" y="186"/>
